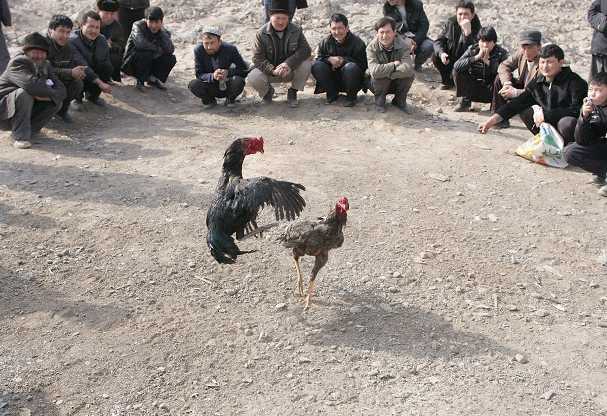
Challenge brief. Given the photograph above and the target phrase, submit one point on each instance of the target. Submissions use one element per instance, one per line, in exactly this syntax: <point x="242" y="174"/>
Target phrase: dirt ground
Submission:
<point x="471" y="282"/>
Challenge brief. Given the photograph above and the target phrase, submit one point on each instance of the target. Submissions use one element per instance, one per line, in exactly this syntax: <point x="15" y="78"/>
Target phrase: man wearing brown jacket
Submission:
<point x="526" y="62"/>
<point x="30" y="92"/>
<point x="281" y="54"/>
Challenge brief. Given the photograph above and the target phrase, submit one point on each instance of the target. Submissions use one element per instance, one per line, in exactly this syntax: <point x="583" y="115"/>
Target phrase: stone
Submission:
<point x="232" y="291"/>
<point x="373" y="373"/>
<point x="393" y="289"/>
<point x="397" y="275"/>
<point x="540" y="313"/>
<point x="520" y="358"/>
<point x="304" y="360"/>
<point x="356" y="309"/>
<point x="549" y="395"/>
<point x="512" y="308"/>
<point x="602" y="324"/>
<point x="280" y="306"/>
<point x="248" y="332"/>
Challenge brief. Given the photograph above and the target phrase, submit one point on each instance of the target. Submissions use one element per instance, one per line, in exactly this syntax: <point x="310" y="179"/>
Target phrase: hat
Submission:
<point x="108" y="5"/>
<point x="35" y="41"/>
<point x="530" y="37"/>
<point x="155" y="13"/>
<point x="215" y="31"/>
<point x="279" y="6"/>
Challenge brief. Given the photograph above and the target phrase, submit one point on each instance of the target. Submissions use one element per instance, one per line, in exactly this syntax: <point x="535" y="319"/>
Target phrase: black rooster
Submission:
<point x="316" y="238"/>
<point x="237" y="201"/>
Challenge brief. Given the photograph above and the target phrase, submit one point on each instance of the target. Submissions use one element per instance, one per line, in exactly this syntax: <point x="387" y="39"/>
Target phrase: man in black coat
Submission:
<point x="220" y="70"/>
<point x="558" y="91"/>
<point x="131" y="11"/>
<point x="475" y="72"/>
<point x="30" y="92"/>
<point x="412" y="22"/>
<point x="293" y="6"/>
<point x="149" y="55"/>
<point x="112" y="30"/>
<point x="341" y="62"/>
<point x="589" y="151"/>
<point x="70" y="70"/>
<point x="597" y="17"/>
<point x="457" y="35"/>
<point x="92" y="48"/>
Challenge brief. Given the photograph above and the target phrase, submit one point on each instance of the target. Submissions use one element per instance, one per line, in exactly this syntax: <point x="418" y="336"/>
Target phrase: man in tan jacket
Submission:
<point x="525" y="62"/>
<point x="390" y="65"/>
<point x="281" y="54"/>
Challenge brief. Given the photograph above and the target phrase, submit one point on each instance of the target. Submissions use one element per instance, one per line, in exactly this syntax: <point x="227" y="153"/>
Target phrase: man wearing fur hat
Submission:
<point x="149" y="55"/>
<point x="292" y="7"/>
<point x="112" y="30"/>
<point x="30" y="92"/>
<point x="281" y="54"/>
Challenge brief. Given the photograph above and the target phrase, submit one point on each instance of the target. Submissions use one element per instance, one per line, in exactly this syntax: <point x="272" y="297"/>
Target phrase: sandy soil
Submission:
<point x="471" y="282"/>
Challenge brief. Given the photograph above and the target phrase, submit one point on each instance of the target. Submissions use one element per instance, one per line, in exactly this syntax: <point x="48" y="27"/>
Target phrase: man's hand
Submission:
<point x="444" y="58"/>
<point x="491" y="122"/>
<point x="79" y="72"/>
<point x="466" y="26"/>
<point x="282" y="70"/>
<point x="336" y="61"/>
<point x="413" y="46"/>
<point x="587" y="108"/>
<point x="509" y="92"/>
<point x="219" y="74"/>
<point x="106" y="88"/>
<point x="538" y="117"/>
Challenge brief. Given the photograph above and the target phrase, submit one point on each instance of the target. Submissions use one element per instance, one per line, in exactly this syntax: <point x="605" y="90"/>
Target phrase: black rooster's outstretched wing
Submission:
<point x="251" y="195"/>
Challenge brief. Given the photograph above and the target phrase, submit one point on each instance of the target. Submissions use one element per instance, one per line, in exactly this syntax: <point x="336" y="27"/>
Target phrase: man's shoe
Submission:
<point x="210" y="104"/>
<point x="67" y="119"/>
<point x="140" y="86"/>
<point x="269" y="95"/>
<point x="401" y="106"/>
<point x="463" y="105"/>
<point x="380" y="103"/>
<point x="77" y="105"/>
<point x="331" y="99"/>
<point x="603" y="191"/>
<point x="230" y="103"/>
<point x="155" y="82"/>
<point x="350" y="102"/>
<point x="597" y="180"/>
<point x="100" y="102"/>
<point x="292" y="98"/>
<point x="21" y="144"/>
<point x="504" y="124"/>
<point x="418" y="68"/>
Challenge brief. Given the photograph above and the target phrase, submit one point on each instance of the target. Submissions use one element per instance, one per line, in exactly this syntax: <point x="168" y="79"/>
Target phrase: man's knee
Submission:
<point x="23" y="99"/>
<point x="320" y="69"/>
<point x="566" y="126"/>
<point x="237" y="82"/>
<point x="571" y="153"/>
<point x="351" y="68"/>
<point x="257" y="79"/>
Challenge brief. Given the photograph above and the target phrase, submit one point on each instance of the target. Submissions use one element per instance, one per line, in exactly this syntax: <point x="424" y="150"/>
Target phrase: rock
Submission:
<point x="280" y="306"/>
<point x="512" y="308"/>
<point x="163" y="406"/>
<point x="248" y="332"/>
<point x="232" y="291"/>
<point x="548" y="395"/>
<point x="304" y="360"/>
<point x="386" y="377"/>
<point x="291" y="142"/>
<point x="602" y="324"/>
<point x="373" y="373"/>
<point x="520" y="358"/>
<point x="426" y="255"/>
<point x="492" y="217"/>
<point x="397" y="275"/>
<point x="393" y="289"/>
<point x="439" y="177"/>
<point x="594" y="285"/>
<point x="192" y="265"/>
<point x="540" y="313"/>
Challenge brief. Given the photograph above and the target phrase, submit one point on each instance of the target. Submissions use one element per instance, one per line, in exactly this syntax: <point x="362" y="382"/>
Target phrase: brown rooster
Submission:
<point x="316" y="238"/>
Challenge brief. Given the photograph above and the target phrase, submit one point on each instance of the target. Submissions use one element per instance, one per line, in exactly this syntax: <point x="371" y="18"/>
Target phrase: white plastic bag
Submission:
<point x="546" y="148"/>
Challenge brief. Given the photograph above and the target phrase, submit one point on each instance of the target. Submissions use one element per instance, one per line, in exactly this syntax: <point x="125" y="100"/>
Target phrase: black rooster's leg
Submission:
<point x="299" y="278"/>
<point x="321" y="260"/>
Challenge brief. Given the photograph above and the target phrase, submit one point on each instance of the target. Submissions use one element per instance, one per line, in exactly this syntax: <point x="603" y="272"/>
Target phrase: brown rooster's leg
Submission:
<point x="321" y="260"/>
<point x="299" y="278"/>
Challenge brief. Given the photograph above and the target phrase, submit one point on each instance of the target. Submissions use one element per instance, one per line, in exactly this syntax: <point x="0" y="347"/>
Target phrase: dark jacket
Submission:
<point x="63" y="59"/>
<point x="95" y="53"/>
<point x="226" y="56"/>
<point x="270" y="51"/>
<point x="561" y="98"/>
<point x="452" y="40"/>
<point x="143" y="40"/>
<point x="23" y="73"/>
<point x="134" y="4"/>
<point x="479" y="69"/>
<point x="416" y="23"/>
<point x="6" y="20"/>
<point x="588" y="132"/>
<point x="597" y="17"/>
<point x="352" y="50"/>
<point x="114" y="33"/>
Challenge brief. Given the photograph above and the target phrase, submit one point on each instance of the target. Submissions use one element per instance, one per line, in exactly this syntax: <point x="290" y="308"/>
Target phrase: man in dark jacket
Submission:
<point x="30" y="92"/>
<point x="525" y="62"/>
<point x="597" y="17"/>
<point x="149" y="55"/>
<point x="476" y="70"/>
<point x="589" y="151"/>
<point x="457" y="35"/>
<point x="92" y="48"/>
<point x="131" y="11"/>
<point x="112" y="30"/>
<point x="558" y="91"/>
<point x="281" y="54"/>
<point x="65" y="61"/>
<point x="220" y="70"/>
<point x="412" y="22"/>
<point x="341" y="62"/>
<point x="293" y="6"/>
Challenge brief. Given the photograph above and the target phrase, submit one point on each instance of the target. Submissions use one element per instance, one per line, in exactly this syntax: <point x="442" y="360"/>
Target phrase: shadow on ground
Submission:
<point x="34" y="403"/>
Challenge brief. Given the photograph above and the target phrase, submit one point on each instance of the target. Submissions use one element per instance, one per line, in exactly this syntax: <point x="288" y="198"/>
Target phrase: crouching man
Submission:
<point x="281" y="54"/>
<point x="220" y="70"/>
<point x="589" y="151"/>
<point x="30" y="92"/>
<point x="390" y="65"/>
<point x="149" y="55"/>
